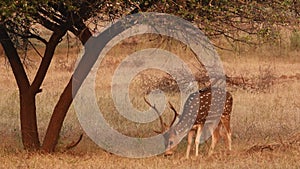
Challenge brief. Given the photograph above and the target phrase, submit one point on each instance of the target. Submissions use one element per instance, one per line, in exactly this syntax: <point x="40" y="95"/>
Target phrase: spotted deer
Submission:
<point x="197" y="108"/>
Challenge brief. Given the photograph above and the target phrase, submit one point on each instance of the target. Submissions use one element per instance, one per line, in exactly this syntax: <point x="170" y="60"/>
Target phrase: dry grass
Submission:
<point x="260" y="118"/>
<point x="101" y="159"/>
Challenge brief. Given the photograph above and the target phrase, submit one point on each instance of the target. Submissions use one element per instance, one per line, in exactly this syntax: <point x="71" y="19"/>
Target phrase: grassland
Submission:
<point x="264" y="118"/>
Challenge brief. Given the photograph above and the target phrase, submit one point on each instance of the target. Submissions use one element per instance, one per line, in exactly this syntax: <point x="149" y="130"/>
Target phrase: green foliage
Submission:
<point x="232" y="18"/>
<point x="214" y="18"/>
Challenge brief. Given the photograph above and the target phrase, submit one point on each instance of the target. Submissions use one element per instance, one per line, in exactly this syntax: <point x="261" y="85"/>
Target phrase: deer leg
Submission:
<point x="197" y="139"/>
<point x="190" y="139"/>
<point x="228" y="140"/>
<point x="214" y="139"/>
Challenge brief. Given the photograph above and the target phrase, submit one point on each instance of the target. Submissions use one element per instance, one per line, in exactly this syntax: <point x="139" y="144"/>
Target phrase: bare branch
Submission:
<point x="74" y="144"/>
<point x="48" y="55"/>
<point x="14" y="60"/>
<point x="35" y="49"/>
<point x="46" y="23"/>
<point x="34" y="36"/>
<point x="29" y="35"/>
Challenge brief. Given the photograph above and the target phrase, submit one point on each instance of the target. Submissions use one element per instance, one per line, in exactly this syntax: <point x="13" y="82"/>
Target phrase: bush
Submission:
<point x="295" y="40"/>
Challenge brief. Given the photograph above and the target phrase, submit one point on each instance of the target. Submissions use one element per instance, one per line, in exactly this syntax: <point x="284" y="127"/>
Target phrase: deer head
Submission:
<point x="170" y="138"/>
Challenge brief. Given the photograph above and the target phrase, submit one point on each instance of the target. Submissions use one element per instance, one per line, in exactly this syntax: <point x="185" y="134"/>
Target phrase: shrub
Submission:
<point x="295" y="40"/>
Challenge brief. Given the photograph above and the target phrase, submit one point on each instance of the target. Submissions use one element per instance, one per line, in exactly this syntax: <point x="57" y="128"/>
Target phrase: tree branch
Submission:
<point x="146" y="4"/>
<point x="35" y="49"/>
<point x="46" y="23"/>
<point x="14" y="60"/>
<point x="48" y="55"/>
<point x="30" y="35"/>
<point x="53" y="16"/>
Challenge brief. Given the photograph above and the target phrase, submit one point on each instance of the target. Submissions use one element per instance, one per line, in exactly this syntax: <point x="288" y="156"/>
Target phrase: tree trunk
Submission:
<point x="28" y="92"/>
<point x="57" y="119"/>
<point x="27" y="99"/>
<point x="66" y="98"/>
<point x="62" y="107"/>
<point x="29" y="130"/>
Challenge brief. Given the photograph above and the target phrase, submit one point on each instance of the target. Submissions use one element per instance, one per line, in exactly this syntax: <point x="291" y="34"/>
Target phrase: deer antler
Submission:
<point x="160" y="118"/>
<point x="175" y="112"/>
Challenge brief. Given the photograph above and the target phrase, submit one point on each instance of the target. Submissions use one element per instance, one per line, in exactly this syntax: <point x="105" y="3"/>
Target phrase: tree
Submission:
<point x="215" y="18"/>
<point x="59" y="17"/>
<point x="20" y="27"/>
